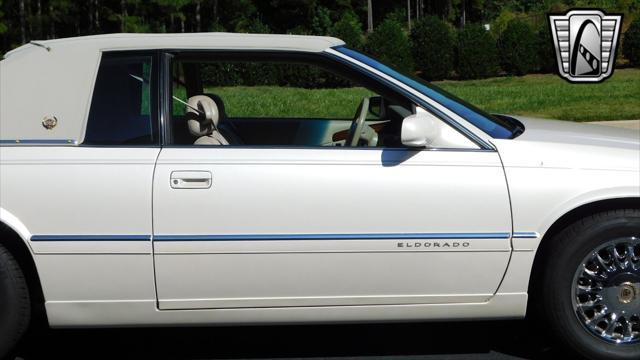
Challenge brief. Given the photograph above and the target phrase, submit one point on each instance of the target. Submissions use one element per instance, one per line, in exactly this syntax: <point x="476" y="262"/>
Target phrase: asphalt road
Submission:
<point x="477" y="340"/>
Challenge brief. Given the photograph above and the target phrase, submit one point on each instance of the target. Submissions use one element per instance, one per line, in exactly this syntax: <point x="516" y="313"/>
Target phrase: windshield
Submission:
<point x="500" y="128"/>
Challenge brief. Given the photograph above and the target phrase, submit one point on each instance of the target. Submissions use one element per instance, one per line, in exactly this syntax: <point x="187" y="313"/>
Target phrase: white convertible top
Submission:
<point x="55" y="77"/>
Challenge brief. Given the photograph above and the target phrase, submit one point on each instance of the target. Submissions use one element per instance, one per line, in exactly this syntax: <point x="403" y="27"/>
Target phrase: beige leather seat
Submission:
<point x="204" y="124"/>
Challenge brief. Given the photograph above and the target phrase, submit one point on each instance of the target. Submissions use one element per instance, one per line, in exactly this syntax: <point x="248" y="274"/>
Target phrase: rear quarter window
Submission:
<point x="122" y="105"/>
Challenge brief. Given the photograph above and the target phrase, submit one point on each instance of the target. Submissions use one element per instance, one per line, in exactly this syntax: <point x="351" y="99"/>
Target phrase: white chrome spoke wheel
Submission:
<point x="606" y="291"/>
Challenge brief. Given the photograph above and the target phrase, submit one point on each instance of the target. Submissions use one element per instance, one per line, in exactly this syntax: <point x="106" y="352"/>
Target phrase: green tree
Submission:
<point x="390" y="44"/>
<point x="236" y="14"/>
<point x="517" y="48"/>
<point x="432" y="45"/>
<point x="349" y="29"/>
<point x="283" y="15"/>
<point x="631" y="43"/>
<point x="253" y="26"/>
<point x="3" y="25"/>
<point x="321" y="23"/>
<point x="174" y="9"/>
<point x="477" y="54"/>
<point x="546" y="52"/>
<point x="499" y="24"/>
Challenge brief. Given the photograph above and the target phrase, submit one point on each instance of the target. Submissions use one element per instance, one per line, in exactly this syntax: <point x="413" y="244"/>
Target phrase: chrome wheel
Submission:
<point x="606" y="291"/>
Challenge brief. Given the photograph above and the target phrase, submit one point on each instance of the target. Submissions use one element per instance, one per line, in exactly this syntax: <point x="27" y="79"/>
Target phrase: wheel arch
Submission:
<point x="567" y="219"/>
<point x="14" y="236"/>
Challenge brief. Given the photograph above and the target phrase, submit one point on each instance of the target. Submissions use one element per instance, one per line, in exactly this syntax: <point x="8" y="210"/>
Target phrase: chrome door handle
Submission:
<point x="191" y="179"/>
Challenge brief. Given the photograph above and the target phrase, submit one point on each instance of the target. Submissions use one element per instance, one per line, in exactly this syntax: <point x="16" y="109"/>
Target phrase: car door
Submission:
<point x="280" y="226"/>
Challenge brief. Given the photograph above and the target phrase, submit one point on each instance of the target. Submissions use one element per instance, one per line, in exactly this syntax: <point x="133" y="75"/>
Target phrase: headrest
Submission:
<point x="205" y="121"/>
<point x="218" y="100"/>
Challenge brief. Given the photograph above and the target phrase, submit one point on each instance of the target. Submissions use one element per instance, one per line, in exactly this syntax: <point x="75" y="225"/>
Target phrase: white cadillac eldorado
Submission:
<point x="198" y="179"/>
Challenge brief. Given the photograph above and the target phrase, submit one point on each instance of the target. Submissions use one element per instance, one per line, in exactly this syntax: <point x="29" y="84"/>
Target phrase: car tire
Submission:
<point x="15" y="304"/>
<point x="577" y="303"/>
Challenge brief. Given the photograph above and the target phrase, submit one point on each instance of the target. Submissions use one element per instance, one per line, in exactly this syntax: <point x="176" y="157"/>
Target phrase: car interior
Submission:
<point x="200" y="114"/>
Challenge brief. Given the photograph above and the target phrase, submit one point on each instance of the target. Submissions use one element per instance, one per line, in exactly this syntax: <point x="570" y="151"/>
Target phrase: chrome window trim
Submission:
<point x="319" y="147"/>
<point x="39" y="142"/>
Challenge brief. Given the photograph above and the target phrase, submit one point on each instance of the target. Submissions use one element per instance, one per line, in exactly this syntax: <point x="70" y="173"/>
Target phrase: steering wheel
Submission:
<point x="355" y="131"/>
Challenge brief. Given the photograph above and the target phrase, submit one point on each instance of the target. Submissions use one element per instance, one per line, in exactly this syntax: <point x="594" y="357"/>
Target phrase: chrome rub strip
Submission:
<point x="526" y="235"/>
<point x="285" y="237"/>
<point x="90" y="238"/>
<point x="382" y="236"/>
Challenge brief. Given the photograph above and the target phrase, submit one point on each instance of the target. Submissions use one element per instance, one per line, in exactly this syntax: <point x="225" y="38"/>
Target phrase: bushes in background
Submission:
<point x="499" y="24"/>
<point x="321" y="23"/>
<point x="390" y="44"/>
<point x="518" y="48"/>
<point x="476" y="56"/>
<point x="547" y="62"/>
<point x="432" y="45"/>
<point x="349" y="29"/>
<point x="221" y="74"/>
<point x="631" y="43"/>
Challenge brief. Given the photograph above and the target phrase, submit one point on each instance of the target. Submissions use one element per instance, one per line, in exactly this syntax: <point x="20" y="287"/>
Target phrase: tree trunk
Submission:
<point x="52" y="22"/>
<point x="215" y="12"/>
<point x="409" y="14"/>
<point x="29" y="22"/>
<point x="96" y="15"/>
<point x="123" y="14"/>
<point x="23" y="30"/>
<point x="91" y="29"/>
<point x="198" y="27"/>
<point x="463" y="16"/>
<point x="369" y="16"/>
<point x="39" y="17"/>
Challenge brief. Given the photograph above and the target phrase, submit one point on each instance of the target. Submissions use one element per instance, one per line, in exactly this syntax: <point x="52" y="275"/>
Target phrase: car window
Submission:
<point x="121" y="109"/>
<point x="282" y="102"/>
<point x="495" y="126"/>
<point x="281" y="90"/>
<point x="179" y="90"/>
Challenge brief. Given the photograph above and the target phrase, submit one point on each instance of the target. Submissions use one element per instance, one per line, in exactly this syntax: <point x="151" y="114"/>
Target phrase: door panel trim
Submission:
<point x="90" y="238"/>
<point x="375" y="236"/>
<point x="288" y="237"/>
<point x="284" y="302"/>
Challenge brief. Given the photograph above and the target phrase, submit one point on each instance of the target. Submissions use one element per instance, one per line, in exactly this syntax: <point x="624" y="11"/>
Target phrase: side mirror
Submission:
<point x="420" y="130"/>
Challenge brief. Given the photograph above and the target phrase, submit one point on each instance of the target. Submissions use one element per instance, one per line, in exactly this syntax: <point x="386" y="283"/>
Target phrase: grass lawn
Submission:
<point x="547" y="96"/>
<point x="265" y="101"/>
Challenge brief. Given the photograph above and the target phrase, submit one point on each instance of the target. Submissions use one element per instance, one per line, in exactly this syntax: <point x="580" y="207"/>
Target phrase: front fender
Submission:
<point x="623" y="192"/>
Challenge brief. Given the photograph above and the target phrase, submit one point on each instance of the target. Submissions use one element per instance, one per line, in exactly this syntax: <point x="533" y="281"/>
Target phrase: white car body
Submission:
<point x="281" y="235"/>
